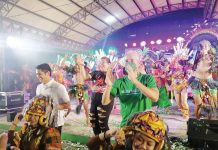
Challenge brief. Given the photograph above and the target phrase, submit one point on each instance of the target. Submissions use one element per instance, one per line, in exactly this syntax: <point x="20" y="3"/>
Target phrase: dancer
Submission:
<point x="202" y="77"/>
<point x="144" y="130"/>
<point x="57" y="73"/>
<point x="35" y="134"/>
<point x="160" y="76"/>
<point x="79" y="89"/>
<point x="180" y="76"/>
<point x="99" y="114"/>
<point x="180" y="85"/>
<point x="136" y="91"/>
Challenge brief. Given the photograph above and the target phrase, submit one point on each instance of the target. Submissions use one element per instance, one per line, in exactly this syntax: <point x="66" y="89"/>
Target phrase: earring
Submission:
<point x="43" y="120"/>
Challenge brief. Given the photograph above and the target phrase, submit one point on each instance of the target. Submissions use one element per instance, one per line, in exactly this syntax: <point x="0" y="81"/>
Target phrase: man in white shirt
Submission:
<point x="56" y="91"/>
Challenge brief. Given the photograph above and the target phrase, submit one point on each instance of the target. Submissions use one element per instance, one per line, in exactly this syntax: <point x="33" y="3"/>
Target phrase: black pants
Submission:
<point x="99" y="114"/>
<point x="59" y="129"/>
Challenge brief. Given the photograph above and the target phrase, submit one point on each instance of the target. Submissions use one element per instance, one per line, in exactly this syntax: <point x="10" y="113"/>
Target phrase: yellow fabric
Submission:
<point x="37" y="107"/>
<point x="149" y="124"/>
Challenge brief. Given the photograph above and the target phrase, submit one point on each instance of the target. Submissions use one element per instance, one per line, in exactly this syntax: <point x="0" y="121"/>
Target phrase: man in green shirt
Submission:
<point x="136" y="91"/>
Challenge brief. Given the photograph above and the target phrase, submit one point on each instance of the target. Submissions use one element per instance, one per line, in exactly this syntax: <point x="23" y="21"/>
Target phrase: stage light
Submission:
<point x="143" y="43"/>
<point x="14" y="42"/>
<point x="134" y="44"/>
<point x="20" y="43"/>
<point x="110" y="19"/>
<point x="169" y="40"/>
<point x="152" y="42"/>
<point x="159" y="42"/>
<point x="126" y="45"/>
<point x="180" y="39"/>
<point x="132" y="35"/>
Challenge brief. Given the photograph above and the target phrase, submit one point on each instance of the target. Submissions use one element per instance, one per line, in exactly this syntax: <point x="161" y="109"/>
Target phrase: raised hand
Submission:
<point x="120" y="137"/>
<point x="79" y="60"/>
<point x="66" y="55"/>
<point x="17" y="118"/>
<point x="109" y="75"/>
<point x="181" y="51"/>
<point x="132" y="74"/>
<point x="14" y="148"/>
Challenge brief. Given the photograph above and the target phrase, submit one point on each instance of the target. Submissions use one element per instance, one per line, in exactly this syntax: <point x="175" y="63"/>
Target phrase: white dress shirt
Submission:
<point x="58" y="93"/>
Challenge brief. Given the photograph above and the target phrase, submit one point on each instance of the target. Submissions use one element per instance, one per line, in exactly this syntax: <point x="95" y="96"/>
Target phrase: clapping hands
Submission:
<point x="132" y="74"/>
<point x="109" y="75"/>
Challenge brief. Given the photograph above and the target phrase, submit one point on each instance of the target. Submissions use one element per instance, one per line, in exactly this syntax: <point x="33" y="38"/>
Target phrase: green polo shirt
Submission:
<point x="131" y="99"/>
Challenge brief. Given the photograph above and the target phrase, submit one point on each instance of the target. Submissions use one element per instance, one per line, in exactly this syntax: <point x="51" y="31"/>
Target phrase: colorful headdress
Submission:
<point x="205" y="42"/>
<point x="39" y="106"/>
<point x="149" y="124"/>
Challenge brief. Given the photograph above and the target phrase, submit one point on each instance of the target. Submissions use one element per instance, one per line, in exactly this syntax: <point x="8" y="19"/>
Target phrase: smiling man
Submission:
<point x="56" y="91"/>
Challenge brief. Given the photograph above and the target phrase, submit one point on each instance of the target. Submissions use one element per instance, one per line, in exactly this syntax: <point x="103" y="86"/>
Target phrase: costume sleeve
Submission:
<point x="150" y="81"/>
<point x="15" y="137"/>
<point x="11" y="138"/>
<point x="115" y="88"/>
<point x="52" y="139"/>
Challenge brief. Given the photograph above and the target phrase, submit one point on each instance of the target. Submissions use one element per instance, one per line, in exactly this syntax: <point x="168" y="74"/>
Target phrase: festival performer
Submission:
<point x="168" y="80"/>
<point x="35" y="134"/>
<point x="136" y="91"/>
<point x="201" y="81"/>
<point x="180" y="77"/>
<point x="99" y="114"/>
<point x="79" y="89"/>
<point x="180" y="85"/>
<point x="160" y="78"/>
<point x="57" y="73"/>
<point x="144" y="130"/>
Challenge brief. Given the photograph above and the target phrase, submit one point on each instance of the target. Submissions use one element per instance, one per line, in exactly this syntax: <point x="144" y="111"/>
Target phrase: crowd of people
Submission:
<point x="139" y="88"/>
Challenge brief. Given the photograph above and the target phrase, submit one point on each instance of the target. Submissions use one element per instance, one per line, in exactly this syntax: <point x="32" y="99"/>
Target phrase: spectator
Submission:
<point x="144" y="130"/>
<point x="35" y="134"/>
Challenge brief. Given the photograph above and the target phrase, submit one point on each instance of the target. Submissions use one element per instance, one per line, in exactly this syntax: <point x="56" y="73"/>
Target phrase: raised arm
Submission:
<point x="151" y="93"/>
<point x="107" y="97"/>
<point x="62" y="62"/>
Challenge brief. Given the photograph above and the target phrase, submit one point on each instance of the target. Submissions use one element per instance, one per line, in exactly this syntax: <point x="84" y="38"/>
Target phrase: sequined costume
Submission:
<point x="204" y="81"/>
<point x="147" y="123"/>
<point x="205" y="89"/>
<point x="78" y="91"/>
<point x="179" y="85"/>
<point x="39" y="137"/>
